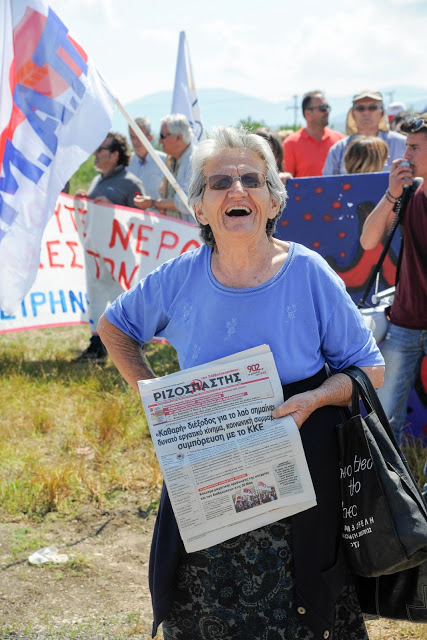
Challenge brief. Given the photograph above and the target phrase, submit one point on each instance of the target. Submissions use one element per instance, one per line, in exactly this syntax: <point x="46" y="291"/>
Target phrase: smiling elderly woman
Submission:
<point x="244" y="288"/>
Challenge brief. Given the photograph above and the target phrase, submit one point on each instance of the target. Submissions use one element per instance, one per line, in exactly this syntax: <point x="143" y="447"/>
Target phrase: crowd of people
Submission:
<point x="235" y="182"/>
<point x="377" y="140"/>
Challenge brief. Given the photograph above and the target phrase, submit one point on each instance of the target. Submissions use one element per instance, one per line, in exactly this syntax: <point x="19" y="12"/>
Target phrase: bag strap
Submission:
<point x="365" y="388"/>
<point x="373" y="404"/>
<point x="399" y="209"/>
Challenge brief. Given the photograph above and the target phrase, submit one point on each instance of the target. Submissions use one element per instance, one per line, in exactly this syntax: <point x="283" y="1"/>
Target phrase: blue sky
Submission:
<point x="272" y="49"/>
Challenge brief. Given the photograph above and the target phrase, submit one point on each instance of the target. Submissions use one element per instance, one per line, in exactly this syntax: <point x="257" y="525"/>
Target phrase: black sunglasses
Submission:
<point x="99" y="149"/>
<point x="366" y="107"/>
<point x="416" y="124"/>
<point x="321" y="107"/>
<point x="162" y="136"/>
<point x="247" y="180"/>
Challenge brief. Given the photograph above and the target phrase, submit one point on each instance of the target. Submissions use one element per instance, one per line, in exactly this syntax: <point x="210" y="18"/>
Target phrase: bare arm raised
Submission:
<point x="126" y="354"/>
<point x="379" y="220"/>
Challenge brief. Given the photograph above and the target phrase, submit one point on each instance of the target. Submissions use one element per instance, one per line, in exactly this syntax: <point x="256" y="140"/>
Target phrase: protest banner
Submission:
<point x="128" y="242"/>
<point x="55" y="109"/>
<point x="58" y="296"/>
<point x="326" y="214"/>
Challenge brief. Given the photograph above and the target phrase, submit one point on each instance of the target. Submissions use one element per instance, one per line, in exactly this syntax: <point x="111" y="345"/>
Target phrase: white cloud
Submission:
<point x="276" y="52"/>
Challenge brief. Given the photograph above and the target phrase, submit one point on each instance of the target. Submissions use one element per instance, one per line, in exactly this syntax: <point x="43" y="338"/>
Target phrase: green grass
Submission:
<point x="70" y="434"/>
<point x="83" y="176"/>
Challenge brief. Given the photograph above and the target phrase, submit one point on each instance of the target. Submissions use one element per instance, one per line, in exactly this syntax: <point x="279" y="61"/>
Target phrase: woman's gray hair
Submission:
<point x="225" y="138"/>
<point x="177" y="124"/>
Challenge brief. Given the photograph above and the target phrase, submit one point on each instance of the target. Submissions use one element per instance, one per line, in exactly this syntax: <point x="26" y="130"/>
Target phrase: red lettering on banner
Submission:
<point x="81" y="213"/>
<point x="71" y="212"/>
<point x="188" y="245"/>
<point x="74" y="264"/>
<point x="57" y="214"/>
<point x="164" y="244"/>
<point x="96" y="256"/>
<point x="123" y="280"/>
<point x="52" y="253"/>
<point x="141" y="238"/>
<point x="110" y="262"/>
<point x="117" y="231"/>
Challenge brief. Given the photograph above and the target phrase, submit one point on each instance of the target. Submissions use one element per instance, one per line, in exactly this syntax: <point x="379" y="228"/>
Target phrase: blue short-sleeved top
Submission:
<point x="304" y="313"/>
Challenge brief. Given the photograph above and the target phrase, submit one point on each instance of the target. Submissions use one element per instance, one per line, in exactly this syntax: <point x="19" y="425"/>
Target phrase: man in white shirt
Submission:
<point x="142" y="164"/>
<point x="176" y="138"/>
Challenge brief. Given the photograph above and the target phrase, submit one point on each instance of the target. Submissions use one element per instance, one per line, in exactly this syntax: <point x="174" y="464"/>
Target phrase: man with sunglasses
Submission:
<point x="176" y="138"/>
<point x="305" y="150"/>
<point x="114" y="185"/>
<point x="365" y="118"/>
<point x="405" y="344"/>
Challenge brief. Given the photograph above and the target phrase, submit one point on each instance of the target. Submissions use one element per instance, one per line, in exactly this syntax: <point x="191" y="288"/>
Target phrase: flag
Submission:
<point x="55" y="109"/>
<point x="184" y="99"/>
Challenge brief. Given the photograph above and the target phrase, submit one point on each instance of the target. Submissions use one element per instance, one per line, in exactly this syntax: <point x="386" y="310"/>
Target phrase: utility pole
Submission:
<point x="390" y="95"/>
<point x="295" y="108"/>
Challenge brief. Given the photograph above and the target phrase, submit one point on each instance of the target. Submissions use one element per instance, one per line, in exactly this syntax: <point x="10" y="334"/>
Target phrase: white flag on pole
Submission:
<point x="55" y="109"/>
<point x="184" y="99"/>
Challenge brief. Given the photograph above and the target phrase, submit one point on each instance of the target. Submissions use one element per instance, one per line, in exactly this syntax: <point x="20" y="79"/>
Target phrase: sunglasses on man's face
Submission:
<point x="321" y="107"/>
<point x="247" y="180"/>
<point x="366" y="107"/>
<point x="162" y="136"/>
<point x="99" y="149"/>
<point x="416" y="124"/>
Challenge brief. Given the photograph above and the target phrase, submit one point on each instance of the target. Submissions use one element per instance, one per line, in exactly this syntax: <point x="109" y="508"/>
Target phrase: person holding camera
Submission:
<point x="405" y="343"/>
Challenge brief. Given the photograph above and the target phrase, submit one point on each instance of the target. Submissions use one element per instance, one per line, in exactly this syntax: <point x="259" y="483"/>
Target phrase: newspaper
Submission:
<point x="228" y="466"/>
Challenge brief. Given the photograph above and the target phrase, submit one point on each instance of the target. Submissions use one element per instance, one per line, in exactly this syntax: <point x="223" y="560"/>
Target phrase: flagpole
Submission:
<point x="147" y="144"/>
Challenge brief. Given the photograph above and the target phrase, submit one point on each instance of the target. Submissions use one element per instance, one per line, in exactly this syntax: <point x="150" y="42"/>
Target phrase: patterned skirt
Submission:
<point x="244" y="588"/>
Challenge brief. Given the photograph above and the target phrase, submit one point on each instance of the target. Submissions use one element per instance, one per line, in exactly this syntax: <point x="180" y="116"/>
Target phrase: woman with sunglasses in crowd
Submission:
<point x="240" y="289"/>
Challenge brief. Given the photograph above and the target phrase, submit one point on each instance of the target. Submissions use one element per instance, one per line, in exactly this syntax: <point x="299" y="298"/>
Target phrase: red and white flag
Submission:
<point x="55" y="109"/>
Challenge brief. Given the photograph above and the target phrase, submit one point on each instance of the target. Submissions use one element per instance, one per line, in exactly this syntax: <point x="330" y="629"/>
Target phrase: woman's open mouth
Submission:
<point x="238" y="211"/>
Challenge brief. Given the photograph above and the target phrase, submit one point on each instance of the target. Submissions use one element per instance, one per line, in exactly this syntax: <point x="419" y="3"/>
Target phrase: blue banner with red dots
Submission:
<point x="326" y="214"/>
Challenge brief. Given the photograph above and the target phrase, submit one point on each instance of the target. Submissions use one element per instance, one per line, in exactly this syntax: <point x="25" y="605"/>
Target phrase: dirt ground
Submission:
<point x="100" y="593"/>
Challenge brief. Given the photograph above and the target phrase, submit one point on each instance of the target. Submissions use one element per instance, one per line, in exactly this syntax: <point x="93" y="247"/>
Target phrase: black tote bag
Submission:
<point x="384" y="514"/>
<point x="399" y="596"/>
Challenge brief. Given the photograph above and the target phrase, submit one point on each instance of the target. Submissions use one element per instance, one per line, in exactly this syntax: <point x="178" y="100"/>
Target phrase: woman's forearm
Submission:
<point x="126" y="354"/>
<point x="336" y="390"/>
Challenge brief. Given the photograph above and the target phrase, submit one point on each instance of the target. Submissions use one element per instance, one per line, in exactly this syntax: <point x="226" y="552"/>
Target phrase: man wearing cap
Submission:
<point x="405" y="344"/>
<point x="366" y="118"/>
<point x="305" y="150"/>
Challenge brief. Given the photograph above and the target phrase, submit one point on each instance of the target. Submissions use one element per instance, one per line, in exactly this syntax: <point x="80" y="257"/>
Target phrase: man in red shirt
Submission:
<point x="305" y="150"/>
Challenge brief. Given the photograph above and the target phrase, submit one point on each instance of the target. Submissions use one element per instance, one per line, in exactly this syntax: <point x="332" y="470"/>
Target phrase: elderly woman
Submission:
<point x="243" y="288"/>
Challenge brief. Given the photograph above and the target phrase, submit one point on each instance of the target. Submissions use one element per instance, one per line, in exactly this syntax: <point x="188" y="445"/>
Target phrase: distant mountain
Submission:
<point x="225" y="107"/>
